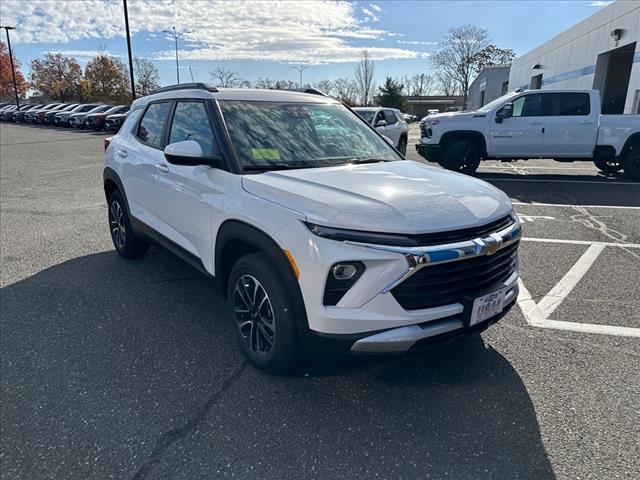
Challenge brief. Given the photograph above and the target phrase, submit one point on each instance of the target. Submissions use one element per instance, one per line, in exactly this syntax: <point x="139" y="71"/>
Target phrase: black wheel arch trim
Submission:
<point x="475" y="134"/>
<point x="110" y="175"/>
<point x="237" y="230"/>
<point x="634" y="138"/>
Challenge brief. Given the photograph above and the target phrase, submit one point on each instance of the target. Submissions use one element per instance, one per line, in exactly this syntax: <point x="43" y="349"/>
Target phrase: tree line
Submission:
<point x="462" y="54"/>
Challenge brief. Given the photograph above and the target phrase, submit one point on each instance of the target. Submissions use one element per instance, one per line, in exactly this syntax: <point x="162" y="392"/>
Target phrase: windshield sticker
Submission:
<point x="265" y="153"/>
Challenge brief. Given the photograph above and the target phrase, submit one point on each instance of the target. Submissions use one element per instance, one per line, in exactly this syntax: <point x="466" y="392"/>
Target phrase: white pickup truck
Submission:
<point x="564" y="125"/>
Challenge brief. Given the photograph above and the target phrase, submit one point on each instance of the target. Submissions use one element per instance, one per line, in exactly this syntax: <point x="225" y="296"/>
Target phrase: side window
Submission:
<point x="567" y="104"/>
<point x="390" y="117"/>
<point x="528" y="106"/>
<point x="379" y="116"/>
<point x="152" y="124"/>
<point x="191" y="122"/>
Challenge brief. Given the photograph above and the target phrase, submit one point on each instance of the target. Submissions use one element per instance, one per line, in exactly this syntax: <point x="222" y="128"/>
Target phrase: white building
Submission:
<point x="601" y="52"/>
<point x="490" y="83"/>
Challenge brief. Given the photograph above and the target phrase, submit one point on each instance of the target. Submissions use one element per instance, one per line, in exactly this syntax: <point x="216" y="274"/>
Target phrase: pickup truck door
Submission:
<point x="521" y="135"/>
<point x="571" y="125"/>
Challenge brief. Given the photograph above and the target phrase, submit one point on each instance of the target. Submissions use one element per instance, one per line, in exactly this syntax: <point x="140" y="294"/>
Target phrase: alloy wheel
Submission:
<point x="116" y="224"/>
<point x="254" y="315"/>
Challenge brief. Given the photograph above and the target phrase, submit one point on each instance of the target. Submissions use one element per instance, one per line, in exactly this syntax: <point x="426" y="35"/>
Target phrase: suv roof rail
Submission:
<point x="312" y="91"/>
<point x="185" y="86"/>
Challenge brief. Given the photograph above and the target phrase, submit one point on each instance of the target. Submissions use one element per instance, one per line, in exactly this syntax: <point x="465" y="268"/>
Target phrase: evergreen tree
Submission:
<point x="391" y="95"/>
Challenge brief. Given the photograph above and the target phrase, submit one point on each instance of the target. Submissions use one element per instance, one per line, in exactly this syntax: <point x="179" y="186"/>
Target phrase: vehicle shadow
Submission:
<point x="112" y="367"/>
<point x="575" y="189"/>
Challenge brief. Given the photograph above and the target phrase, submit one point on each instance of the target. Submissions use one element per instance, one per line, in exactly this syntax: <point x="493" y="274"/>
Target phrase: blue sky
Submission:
<point x="264" y="39"/>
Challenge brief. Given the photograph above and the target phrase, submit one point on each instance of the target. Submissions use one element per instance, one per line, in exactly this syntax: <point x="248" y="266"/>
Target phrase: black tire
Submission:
<point x="127" y="244"/>
<point x="267" y="333"/>
<point x="631" y="162"/>
<point x="402" y="145"/>
<point x="461" y="156"/>
<point x="608" y="165"/>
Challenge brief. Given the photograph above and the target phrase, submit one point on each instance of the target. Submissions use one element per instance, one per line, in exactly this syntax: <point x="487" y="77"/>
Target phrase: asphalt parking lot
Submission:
<point x="130" y="370"/>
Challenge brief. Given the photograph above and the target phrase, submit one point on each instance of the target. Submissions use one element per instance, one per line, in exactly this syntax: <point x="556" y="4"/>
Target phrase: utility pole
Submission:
<point x="301" y="68"/>
<point x="175" y="35"/>
<point x="126" y="24"/>
<point x="13" y="69"/>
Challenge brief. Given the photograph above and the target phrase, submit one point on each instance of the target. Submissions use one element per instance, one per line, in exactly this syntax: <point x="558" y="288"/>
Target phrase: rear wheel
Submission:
<point x="608" y="165"/>
<point x="461" y="156"/>
<point x="631" y="162"/>
<point x="264" y="314"/>
<point x="127" y="244"/>
<point x="402" y="145"/>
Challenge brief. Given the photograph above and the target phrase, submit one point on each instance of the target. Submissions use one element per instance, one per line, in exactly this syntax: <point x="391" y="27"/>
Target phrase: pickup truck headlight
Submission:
<point x="431" y="123"/>
<point x="343" y="235"/>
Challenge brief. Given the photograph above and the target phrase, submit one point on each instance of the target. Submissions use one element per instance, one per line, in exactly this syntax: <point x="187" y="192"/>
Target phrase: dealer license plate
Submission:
<point x="487" y="306"/>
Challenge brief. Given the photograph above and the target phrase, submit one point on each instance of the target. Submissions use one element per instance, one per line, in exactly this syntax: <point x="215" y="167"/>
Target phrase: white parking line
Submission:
<point x="581" y="242"/>
<point x="537" y="314"/>
<point x="636" y="184"/>
<point x="563" y="288"/>
<point x="621" y="207"/>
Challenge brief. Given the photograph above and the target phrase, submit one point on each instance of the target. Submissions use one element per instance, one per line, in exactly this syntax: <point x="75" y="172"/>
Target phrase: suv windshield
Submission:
<point x="367" y="115"/>
<point x="498" y="101"/>
<point x="300" y="135"/>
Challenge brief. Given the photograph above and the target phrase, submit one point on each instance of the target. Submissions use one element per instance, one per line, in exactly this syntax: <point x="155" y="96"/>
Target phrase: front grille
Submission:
<point x="446" y="283"/>
<point x="452" y="236"/>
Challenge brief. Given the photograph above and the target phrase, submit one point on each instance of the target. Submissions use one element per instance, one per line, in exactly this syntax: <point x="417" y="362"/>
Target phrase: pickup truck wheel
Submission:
<point x="127" y="244"/>
<point x="402" y="145"/>
<point x="264" y="314"/>
<point x="631" y="162"/>
<point x="461" y="156"/>
<point x="607" y="165"/>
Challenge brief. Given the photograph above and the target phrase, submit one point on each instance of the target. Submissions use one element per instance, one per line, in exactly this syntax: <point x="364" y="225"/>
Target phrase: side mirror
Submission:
<point x="188" y="152"/>
<point x="381" y="123"/>
<point x="505" y="112"/>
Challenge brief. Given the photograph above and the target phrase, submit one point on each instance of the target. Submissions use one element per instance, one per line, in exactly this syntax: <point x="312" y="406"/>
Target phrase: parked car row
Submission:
<point x="94" y="116"/>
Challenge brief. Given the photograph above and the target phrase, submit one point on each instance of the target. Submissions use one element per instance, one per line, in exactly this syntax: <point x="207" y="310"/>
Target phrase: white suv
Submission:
<point x="388" y="122"/>
<point x="317" y="232"/>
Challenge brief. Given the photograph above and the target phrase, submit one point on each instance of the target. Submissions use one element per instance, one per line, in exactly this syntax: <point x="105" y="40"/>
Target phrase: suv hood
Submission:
<point x="393" y="197"/>
<point x="454" y="116"/>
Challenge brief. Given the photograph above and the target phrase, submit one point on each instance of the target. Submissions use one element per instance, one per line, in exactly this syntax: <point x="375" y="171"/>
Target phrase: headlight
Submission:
<point x="433" y="122"/>
<point x="343" y="235"/>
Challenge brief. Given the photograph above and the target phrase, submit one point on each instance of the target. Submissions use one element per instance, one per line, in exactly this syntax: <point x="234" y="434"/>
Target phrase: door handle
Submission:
<point x="122" y="153"/>
<point x="586" y="122"/>
<point x="162" y="167"/>
<point x="536" y="123"/>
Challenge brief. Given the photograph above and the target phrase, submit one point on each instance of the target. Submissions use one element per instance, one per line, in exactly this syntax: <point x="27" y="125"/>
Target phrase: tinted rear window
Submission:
<point x="152" y="123"/>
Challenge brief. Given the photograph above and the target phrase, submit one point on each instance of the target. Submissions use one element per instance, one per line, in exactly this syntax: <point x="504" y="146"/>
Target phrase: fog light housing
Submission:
<point x="342" y="276"/>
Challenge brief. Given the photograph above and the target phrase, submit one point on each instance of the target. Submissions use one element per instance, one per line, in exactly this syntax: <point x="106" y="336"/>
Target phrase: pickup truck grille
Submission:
<point x="447" y="283"/>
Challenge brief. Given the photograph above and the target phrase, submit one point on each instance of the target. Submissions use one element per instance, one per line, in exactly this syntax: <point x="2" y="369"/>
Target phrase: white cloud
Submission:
<point x="369" y="15"/>
<point x="81" y="54"/>
<point x="601" y="3"/>
<point x="415" y="42"/>
<point x="375" y="7"/>
<point x="289" y="31"/>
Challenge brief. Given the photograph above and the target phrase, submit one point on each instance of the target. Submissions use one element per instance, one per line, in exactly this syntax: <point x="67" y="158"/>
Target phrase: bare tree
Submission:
<point x="346" y="91"/>
<point x="325" y="86"/>
<point x="266" y="83"/>
<point x="364" y="79"/>
<point x="447" y="85"/>
<point x="285" y="85"/>
<point x="146" y="75"/>
<point x="421" y="84"/>
<point x="458" y="55"/>
<point x="226" y="78"/>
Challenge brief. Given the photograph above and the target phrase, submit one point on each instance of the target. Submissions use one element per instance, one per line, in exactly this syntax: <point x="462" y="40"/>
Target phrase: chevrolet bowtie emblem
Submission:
<point x="492" y="248"/>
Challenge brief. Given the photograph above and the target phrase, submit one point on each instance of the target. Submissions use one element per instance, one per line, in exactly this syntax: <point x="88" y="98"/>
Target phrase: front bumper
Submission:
<point x="429" y="151"/>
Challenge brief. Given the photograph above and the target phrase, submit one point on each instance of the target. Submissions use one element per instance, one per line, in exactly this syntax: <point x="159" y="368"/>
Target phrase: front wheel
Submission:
<point x="607" y="165"/>
<point x="461" y="156"/>
<point x="631" y="162"/>
<point x="264" y="314"/>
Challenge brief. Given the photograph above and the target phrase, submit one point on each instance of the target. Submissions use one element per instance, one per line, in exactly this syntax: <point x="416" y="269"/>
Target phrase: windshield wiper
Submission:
<point x="367" y="160"/>
<point x="265" y="168"/>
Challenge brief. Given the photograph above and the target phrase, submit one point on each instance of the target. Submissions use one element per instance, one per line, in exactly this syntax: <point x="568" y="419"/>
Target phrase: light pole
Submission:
<point x="126" y="24"/>
<point x="301" y="68"/>
<point x="13" y="69"/>
<point x="175" y="35"/>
